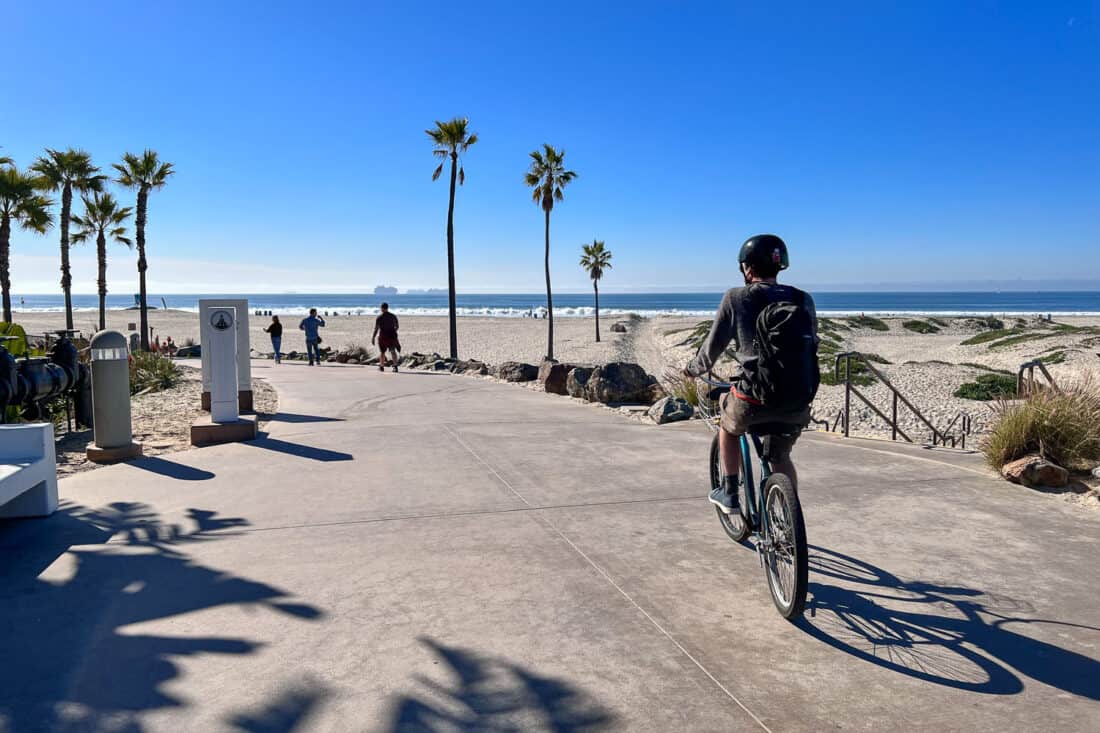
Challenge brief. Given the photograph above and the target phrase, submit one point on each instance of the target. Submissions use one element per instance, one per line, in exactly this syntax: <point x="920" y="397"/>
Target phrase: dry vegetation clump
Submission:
<point x="1063" y="426"/>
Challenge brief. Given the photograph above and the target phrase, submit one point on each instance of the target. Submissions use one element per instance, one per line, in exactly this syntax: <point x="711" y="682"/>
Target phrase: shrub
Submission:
<point x="153" y="372"/>
<point x="861" y="375"/>
<point x="983" y="367"/>
<point x="986" y="387"/>
<point x="939" y="322"/>
<point x="686" y="388"/>
<point x="920" y="327"/>
<point x="868" y="322"/>
<point x="1058" y="357"/>
<point x="993" y="335"/>
<point x="1063" y="427"/>
<point x="989" y="323"/>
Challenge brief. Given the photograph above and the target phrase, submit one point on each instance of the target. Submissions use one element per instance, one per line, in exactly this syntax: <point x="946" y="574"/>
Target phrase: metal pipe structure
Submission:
<point x="29" y="383"/>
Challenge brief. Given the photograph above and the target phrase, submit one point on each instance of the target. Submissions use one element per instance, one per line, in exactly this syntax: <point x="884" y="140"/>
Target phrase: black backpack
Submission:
<point x="785" y="375"/>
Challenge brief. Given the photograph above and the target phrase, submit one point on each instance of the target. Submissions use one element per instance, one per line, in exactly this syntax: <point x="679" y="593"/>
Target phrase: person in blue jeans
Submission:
<point x="275" y="329"/>
<point x="312" y="325"/>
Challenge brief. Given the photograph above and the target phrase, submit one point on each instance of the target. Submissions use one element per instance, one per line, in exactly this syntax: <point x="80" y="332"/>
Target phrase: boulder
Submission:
<point x="553" y="376"/>
<point x="671" y="409"/>
<point x="517" y="371"/>
<point x="353" y="360"/>
<point x="619" y="381"/>
<point x="576" y="382"/>
<point x="619" y="327"/>
<point x="1035" y="471"/>
<point x="1096" y="472"/>
<point x="469" y="366"/>
<point x="656" y="392"/>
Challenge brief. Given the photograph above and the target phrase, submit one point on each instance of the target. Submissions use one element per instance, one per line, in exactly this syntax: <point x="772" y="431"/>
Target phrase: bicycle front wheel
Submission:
<point x="734" y="525"/>
<point x="786" y="559"/>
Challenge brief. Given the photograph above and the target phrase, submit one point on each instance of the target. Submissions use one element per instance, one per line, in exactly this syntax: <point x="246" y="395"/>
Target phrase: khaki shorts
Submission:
<point x="739" y="416"/>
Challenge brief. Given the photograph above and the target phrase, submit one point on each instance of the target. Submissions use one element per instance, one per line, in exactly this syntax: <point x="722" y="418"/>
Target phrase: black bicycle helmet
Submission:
<point x="765" y="250"/>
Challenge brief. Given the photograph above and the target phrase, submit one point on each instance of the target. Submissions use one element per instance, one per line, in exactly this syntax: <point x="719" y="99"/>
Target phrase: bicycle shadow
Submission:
<point x="949" y="635"/>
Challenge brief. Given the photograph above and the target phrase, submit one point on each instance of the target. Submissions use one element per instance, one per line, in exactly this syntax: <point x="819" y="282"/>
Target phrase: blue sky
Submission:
<point x="887" y="142"/>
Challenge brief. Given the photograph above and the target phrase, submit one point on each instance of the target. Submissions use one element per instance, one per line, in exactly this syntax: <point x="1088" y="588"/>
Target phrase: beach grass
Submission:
<point x="1062" y="426"/>
<point x="876" y="324"/>
<point x="921" y="327"/>
<point x="987" y="387"/>
<point x="987" y="336"/>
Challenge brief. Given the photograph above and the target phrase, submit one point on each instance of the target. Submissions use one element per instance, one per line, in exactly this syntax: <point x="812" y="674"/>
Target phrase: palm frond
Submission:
<point x="461" y="175"/>
<point x="437" y="172"/>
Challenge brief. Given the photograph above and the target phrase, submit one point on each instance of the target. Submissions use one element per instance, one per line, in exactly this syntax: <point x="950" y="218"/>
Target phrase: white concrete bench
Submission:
<point x="28" y="471"/>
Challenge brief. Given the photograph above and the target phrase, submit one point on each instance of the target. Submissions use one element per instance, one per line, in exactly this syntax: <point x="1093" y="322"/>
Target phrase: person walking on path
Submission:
<point x="275" y="329"/>
<point x="385" y="330"/>
<point x="312" y="325"/>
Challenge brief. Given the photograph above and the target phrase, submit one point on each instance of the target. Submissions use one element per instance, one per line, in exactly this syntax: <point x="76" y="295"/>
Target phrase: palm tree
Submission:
<point x="19" y="202"/>
<point x="66" y="171"/>
<point x="451" y="140"/>
<point x="595" y="260"/>
<point x="145" y="173"/>
<point x="104" y="218"/>
<point x="547" y="176"/>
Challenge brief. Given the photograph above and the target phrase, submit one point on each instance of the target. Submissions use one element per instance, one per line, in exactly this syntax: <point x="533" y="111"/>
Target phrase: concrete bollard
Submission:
<point x="114" y="440"/>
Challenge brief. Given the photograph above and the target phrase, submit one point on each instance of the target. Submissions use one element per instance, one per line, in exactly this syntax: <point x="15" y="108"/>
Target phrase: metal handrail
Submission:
<point x="938" y="437"/>
<point x="1023" y="386"/>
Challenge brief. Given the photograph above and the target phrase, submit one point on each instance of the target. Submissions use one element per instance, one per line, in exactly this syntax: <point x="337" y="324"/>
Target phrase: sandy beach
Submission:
<point x="928" y="367"/>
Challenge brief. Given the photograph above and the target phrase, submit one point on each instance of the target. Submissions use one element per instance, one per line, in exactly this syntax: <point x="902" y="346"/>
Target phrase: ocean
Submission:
<point x="612" y="304"/>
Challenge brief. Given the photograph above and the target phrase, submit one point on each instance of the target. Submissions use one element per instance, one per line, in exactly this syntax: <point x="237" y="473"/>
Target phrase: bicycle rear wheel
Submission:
<point x="734" y="524"/>
<point x="786" y="559"/>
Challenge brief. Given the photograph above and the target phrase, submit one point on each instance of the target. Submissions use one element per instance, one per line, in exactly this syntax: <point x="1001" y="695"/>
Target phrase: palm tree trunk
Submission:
<point x="549" y="295"/>
<point x="596" y="287"/>
<point x="66" y="272"/>
<point x="5" y="274"/>
<point x="101" y="254"/>
<point x="452" y="309"/>
<point x="142" y="265"/>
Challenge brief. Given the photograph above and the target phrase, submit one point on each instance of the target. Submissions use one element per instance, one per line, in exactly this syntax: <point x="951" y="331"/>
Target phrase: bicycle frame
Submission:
<point x="754" y="491"/>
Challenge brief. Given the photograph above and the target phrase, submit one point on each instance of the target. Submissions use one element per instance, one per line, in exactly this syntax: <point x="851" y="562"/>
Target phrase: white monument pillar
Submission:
<point x="223" y="325"/>
<point x="222" y="344"/>
<point x="244" y="362"/>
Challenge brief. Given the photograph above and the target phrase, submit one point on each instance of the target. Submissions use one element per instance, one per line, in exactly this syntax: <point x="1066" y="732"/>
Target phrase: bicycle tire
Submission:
<point x="734" y="525"/>
<point x="784" y="516"/>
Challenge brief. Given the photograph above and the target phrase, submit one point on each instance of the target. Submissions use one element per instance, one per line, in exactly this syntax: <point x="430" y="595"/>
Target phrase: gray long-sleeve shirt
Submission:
<point x="735" y="323"/>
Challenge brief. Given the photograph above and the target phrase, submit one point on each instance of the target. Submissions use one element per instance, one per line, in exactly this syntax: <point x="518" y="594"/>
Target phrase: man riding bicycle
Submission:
<point x="773" y="329"/>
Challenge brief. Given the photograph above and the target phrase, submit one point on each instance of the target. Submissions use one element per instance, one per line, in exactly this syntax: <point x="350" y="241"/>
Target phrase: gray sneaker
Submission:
<point x="724" y="500"/>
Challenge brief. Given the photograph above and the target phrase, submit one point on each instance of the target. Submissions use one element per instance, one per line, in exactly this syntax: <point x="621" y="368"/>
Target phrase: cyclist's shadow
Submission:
<point x="949" y="635"/>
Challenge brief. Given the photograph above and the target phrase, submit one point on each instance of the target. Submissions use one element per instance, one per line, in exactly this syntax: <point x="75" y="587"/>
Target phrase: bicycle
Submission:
<point x="770" y="511"/>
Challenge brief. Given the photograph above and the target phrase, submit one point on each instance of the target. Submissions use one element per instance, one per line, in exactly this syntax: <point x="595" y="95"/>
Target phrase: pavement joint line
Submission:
<point x="443" y="515"/>
<point x="611" y="581"/>
<point x="901" y="454"/>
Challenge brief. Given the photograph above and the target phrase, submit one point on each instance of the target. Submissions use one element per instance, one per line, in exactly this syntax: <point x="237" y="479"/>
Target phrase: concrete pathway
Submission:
<point x="420" y="552"/>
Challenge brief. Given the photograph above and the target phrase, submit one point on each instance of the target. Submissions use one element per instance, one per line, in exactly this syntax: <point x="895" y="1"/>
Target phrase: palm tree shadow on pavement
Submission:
<point x="289" y="711"/>
<point x="71" y="583"/>
<point x="493" y="695"/>
<point x="944" y="634"/>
